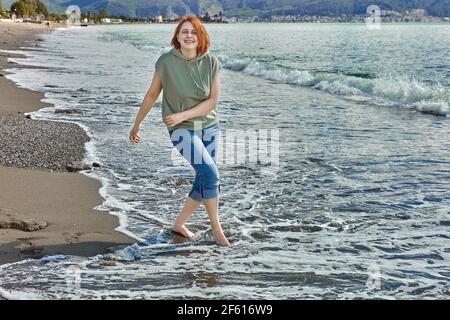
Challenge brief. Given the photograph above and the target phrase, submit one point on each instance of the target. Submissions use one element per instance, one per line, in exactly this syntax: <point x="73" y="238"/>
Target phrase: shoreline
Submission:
<point x="44" y="208"/>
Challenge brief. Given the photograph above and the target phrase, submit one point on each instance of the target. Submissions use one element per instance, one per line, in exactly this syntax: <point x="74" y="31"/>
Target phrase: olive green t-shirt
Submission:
<point x="186" y="83"/>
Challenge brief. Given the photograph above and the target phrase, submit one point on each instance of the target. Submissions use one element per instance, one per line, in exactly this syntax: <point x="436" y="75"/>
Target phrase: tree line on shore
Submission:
<point x="36" y="8"/>
<point x="32" y="9"/>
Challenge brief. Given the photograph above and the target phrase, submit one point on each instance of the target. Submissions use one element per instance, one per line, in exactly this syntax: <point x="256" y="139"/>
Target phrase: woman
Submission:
<point x="189" y="76"/>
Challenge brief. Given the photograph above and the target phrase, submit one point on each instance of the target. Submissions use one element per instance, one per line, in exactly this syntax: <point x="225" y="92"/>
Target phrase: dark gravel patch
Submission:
<point x="49" y="145"/>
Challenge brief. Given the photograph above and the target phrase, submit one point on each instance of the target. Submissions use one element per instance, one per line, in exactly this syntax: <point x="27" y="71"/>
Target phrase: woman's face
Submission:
<point x="187" y="37"/>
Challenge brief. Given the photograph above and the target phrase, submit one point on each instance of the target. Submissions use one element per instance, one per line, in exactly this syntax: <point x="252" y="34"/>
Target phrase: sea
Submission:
<point x="352" y="203"/>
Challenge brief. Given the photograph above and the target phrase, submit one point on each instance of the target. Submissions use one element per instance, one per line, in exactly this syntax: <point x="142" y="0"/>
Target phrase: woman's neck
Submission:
<point x="190" y="54"/>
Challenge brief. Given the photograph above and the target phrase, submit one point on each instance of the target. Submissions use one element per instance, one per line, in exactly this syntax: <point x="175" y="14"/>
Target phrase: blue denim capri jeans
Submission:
<point x="200" y="148"/>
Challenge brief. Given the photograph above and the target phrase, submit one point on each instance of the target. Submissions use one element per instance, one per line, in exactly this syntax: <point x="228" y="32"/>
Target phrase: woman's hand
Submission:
<point x="134" y="137"/>
<point x="174" y="119"/>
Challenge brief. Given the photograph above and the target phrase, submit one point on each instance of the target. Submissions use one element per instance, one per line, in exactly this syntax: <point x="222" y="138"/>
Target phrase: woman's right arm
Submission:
<point x="148" y="103"/>
<point x="149" y="100"/>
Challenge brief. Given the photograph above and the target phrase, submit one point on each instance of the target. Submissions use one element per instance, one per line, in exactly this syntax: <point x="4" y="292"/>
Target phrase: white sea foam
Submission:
<point x="436" y="108"/>
<point x="110" y="202"/>
<point x="18" y="295"/>
<point x="129" y="253"/>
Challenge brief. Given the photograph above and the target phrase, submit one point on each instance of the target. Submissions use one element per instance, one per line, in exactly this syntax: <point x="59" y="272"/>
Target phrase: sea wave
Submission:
<point x="387" y="90"/>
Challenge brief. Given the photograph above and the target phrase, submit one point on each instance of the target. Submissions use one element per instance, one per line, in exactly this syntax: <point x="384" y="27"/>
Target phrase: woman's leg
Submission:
<point x="211" y="142"/>
<point x="212" y="207"/>
<point x="190" y="205"/>
<point x="193" y="201"/>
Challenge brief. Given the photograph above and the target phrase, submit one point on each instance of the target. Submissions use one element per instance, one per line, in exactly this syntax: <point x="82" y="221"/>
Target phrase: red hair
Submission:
<point x="202" y="35"/>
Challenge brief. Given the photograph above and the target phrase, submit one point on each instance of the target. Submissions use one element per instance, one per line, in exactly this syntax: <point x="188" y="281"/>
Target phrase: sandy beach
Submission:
<point x="44" y="208"/>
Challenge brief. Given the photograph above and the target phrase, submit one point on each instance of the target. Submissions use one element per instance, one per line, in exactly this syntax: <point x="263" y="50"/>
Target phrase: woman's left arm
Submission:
<point x="200" y="109"/>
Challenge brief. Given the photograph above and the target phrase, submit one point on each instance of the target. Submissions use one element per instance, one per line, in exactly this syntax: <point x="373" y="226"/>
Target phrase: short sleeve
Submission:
<point x="159" y="68"/>
<point x="216" y="66"/>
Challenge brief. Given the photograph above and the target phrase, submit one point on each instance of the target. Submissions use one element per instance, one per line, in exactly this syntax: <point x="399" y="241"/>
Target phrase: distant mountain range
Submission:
<point x="243" y="8"/>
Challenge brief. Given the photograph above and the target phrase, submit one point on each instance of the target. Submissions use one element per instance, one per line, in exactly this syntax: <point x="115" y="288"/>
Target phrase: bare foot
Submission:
<point x="220" y="238"/>
<point x="184" y="231"/>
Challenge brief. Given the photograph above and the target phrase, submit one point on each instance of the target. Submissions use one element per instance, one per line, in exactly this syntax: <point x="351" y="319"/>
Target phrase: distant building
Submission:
<point x="390" y="13"/>
<point x="111" y="20"/>
<point x="416" y="14"/>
